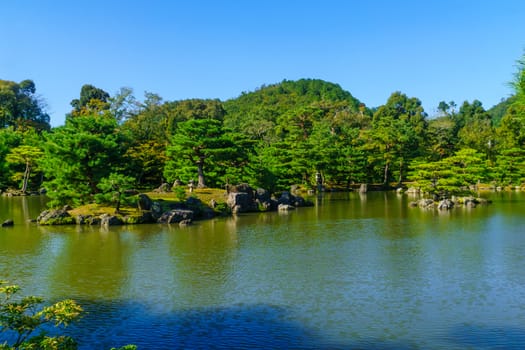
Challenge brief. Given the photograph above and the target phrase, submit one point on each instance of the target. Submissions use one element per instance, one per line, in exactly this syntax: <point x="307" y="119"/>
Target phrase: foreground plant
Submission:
<point x="22" y="319"/>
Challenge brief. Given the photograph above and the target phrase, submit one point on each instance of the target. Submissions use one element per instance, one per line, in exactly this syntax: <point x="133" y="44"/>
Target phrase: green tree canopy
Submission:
<point x="29" y="157"/>
<point x="196" y="145"/>
<point x="91" y="100"/>
<point x="397" y="135"/>
<point x="21" y="107"/>
<point x="9" y="139"/>
<point x="452" y="175"/>
<point x="78" y="155"/>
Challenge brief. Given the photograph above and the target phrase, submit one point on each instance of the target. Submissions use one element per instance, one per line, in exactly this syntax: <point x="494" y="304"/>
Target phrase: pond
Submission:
<point x="354" y="271"/>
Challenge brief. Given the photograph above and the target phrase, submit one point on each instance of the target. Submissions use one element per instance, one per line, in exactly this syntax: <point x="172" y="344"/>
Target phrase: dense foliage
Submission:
<point x="25" y="322"/>
<point x="23" y="318"/>
<point x="292" y="132"/>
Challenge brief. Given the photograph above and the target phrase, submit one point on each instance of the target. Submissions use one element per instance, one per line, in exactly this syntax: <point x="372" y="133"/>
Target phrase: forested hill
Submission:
<point x="266" y="104"/>
<point x="498" y="111"/>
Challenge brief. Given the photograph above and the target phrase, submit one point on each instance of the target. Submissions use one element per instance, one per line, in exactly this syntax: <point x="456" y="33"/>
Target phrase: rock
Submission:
<point x="8" y="222"/>
<point x="93" y="220"/>
<point x="55" y="217"/>
<point x="262" y="195"/>
<point x="144" y="202"/>
<point x="296" y="201"/>
<point x="185" y="222"/>
<point x="264" y="200"/>
<point x="445" y="204"/>
<point x="88" y="220"/>
<point x="241" y="202"/>
<point x="242" y="199"/>
<point x="243" y="188"/>
<point x="175" y="216"/>
<point x="286" y="198"/>
<point x="470" y="204"/>
<point x="193" y="202"/>
<point x="426" y="203"/>
<point x="285" y="207"/>
<point x="156" y="209"/>
<point x="110" y="220"/>
<point x="143" y="218"/>
<point x="82" y="219"/>
<point x="412" y="190"/>
<point x="206" y="213"/>
<point x="165" y="187"/>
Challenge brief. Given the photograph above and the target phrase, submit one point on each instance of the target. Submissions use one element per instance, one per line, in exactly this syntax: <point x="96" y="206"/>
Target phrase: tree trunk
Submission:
<point x="27" y="172"/>
<point x="117" y="209"/>
<point x="400" y="181"/>
<point x="385" y="178"/>
<point x="200" y="174"/>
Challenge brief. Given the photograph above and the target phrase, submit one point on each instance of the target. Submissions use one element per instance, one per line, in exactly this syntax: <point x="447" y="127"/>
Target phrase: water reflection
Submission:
<point x="355" y="271"/>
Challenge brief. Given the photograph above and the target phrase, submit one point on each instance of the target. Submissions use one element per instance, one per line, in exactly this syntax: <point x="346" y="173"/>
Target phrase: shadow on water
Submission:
<point x="237" y="327"/>
<point x="106" y="325"/>
<point x="484" y="337"/>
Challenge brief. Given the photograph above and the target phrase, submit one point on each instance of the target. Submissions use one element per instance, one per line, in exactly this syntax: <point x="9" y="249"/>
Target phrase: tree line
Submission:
<point x="292" y="132"/>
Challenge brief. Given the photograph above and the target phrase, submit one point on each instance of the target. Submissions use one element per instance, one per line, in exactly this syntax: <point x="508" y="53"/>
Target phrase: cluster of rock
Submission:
<point x="241" y="199"/>
<point x="149" y="211"/>
<point x="447" y="204"/>
<point x="16" y="193"/>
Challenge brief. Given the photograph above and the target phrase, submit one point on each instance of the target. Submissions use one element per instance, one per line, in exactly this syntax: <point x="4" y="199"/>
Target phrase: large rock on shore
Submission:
<point x="445" y="204"/>
<point x="55" y="217"/>
<point x="110" y="220"/>
<point x="264" y="200"/>
<point x="423" y="203"/>
<point x="241" y="199"/>
<point x="241" y="202"/>
<point x="144" y="203"/>
<point x="176" y="216"/>
<point x="289" y="199"/>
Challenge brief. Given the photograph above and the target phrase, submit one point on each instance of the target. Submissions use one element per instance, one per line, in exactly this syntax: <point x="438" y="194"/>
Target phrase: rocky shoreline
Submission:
<point x="240" y="199"/>
<point x="449" y="203"/>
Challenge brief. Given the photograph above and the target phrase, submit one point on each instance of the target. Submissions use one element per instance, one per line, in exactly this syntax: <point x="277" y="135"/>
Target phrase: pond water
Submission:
<point x="354" y="271"/>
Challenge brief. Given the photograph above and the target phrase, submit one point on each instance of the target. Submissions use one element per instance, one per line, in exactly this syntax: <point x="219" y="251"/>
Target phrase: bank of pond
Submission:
<point x="164" y="206"/>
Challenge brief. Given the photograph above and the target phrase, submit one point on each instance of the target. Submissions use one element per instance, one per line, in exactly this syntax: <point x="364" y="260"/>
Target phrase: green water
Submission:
<point x="355" y="271"/>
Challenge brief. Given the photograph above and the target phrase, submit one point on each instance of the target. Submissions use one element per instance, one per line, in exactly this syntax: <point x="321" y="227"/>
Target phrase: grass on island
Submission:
<point x="205" y="195"/>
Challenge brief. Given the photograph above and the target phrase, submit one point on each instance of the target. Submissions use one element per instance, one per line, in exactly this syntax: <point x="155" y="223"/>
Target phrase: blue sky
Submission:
<point x="434" y="50"/>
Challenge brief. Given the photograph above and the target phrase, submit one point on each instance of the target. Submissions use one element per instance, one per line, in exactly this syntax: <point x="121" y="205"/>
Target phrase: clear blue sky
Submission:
<point x="430" y="49"/>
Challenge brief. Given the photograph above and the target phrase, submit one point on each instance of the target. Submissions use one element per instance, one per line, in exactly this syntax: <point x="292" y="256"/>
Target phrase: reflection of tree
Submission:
<point x="203" y="256"/>
<point x="91" y="263"/>
<point x="25" y="208"/>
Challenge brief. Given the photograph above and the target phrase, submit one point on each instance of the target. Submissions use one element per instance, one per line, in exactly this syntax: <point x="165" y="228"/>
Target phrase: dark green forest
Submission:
<point x="288" y="133"/>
